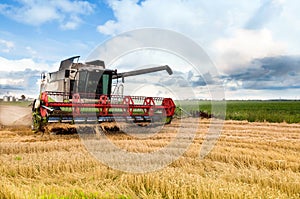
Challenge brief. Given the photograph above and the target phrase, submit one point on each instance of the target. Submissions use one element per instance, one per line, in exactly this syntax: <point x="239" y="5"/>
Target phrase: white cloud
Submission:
<point x="168" y="14"/>
<point x="38" y="12"/>
<point x="31" y="51"/>
<point x="245" y="45"/>
<point x="219" y="26"/>
<point x="22" y="64"/>
<point x="199" y="19"/>
<point x="214" y="24"/>
<point x="21" y="76"/>
<point x="72" y="24"/>
<point x="234" y="33"/>
<point x="10" y="81"/>
<point x="6" y="46"/>
<point x="286" y="27"/>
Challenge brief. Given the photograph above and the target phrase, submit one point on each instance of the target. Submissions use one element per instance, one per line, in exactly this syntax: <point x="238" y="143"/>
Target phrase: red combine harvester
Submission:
<point x="89" y="93"/>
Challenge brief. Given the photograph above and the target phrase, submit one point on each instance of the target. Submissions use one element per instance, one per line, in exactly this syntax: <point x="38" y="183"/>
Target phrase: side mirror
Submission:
<point x="43" y="76"/>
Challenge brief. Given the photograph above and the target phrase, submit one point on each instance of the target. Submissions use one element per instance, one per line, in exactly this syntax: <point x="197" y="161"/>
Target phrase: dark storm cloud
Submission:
<point x="202" y="80"/>
<point x="189" y="79"/>
<point x="273" y="73"/>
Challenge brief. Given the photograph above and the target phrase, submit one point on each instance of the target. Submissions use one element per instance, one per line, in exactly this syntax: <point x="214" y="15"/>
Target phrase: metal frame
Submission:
<point x="106" y="108"/>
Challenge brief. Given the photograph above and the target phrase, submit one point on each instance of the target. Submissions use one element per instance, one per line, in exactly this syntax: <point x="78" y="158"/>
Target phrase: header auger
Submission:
<point x="82" y="93"/>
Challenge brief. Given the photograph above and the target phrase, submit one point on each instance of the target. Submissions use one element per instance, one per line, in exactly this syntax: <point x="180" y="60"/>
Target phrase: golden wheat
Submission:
<point x="250" y="160"/>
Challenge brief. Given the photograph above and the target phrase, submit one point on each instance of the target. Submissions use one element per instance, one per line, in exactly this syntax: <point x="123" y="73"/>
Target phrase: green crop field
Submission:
<point x="252" y="111"/>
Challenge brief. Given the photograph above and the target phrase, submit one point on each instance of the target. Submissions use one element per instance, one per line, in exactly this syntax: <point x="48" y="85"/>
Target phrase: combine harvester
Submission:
<point x="88" y="93"/>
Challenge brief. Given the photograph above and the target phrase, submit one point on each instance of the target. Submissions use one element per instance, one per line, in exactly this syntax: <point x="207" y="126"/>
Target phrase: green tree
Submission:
<point x="23" y="97"/>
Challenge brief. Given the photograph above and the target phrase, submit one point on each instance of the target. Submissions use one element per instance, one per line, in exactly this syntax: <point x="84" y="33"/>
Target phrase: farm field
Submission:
<point x="253" y="111"/>
<point x="250" y="160"/>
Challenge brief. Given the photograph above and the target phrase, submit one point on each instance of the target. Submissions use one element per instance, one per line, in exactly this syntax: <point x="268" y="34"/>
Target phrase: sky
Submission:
<point x="254" y="45"/>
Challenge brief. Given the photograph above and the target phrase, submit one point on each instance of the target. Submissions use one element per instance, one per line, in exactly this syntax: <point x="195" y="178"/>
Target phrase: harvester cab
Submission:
<point x="84" y="93"/>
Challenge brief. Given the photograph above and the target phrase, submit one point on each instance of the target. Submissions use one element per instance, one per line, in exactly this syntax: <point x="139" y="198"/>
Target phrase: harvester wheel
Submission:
<point x="127" y="100"/>
<point x="103" y="100"/>
<point x="148" y="101"/>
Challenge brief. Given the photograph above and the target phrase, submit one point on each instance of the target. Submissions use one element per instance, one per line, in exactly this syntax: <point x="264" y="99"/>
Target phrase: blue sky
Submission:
<point x="255" y="44"/>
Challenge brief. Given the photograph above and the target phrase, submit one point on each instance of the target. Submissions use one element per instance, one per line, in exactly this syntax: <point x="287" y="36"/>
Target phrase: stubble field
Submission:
<point x="250" y="160"/>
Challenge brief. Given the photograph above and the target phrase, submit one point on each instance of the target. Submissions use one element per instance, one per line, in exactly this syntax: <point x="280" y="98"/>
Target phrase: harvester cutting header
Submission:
<point x="90" y="93"/>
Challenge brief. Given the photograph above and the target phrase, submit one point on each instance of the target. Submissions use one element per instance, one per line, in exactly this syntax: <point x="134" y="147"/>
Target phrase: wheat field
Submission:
<point x="249" y="160"/>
